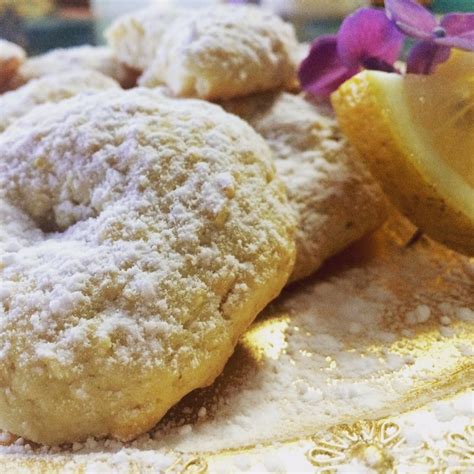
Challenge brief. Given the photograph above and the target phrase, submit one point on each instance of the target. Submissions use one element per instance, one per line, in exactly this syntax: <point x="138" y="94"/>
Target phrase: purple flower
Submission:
<point x="455" y="30"/>
<point x="367" y="39"/>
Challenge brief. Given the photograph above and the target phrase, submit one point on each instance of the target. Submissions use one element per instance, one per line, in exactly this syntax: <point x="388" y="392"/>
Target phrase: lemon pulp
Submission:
<point x="443" y="107"/>
<point x="417" y="135"/>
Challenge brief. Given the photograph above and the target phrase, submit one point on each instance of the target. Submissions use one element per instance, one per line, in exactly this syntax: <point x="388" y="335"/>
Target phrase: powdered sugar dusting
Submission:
<point x="335" y="199"/>
<point x="298" y="370"/>
<point x="223" y="52"/>
<point x="324" y="374"/>
<point x="135" y="37"/>
<point x="51" y="88"/>
<point x="143" y="225"/>
<point x="79" y="58"/>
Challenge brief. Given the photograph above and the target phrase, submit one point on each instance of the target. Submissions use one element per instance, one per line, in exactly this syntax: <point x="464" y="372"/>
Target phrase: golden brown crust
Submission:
<point x="11" y="58"/>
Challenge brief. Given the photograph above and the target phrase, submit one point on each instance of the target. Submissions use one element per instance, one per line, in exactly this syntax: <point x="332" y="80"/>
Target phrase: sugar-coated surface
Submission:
<point x="299" y="371"/>
<point x="338" y="348"/>
<point x="218" y="53"/>
<point x="136" y="37"/>
<point x="50" y="88"/>
<point x="80" y="58"/>
<point x="335" y="199"/>
<point x="140" y="236"/>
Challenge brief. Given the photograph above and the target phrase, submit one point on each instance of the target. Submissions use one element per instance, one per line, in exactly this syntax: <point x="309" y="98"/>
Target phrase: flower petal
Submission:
<point x="425" y="56"/>
<point x="458" y="23"/>
<point x="368" y="34"/>
<point x="411" y="18"/>
<point x="460" y="31"/>
<point x="378" y="65"/>
<point x="322" y="72"/>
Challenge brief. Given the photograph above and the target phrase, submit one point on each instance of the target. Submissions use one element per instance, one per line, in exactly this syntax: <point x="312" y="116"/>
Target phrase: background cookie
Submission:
<point x="334" y="197"/>
<point x="152" y="233"/>
<point x="100" y="59"/>
<point x="51" y="88"/>
<point x="135" y="37"/>
<point x="11" y="58"/>
<point x="213" y="54"/>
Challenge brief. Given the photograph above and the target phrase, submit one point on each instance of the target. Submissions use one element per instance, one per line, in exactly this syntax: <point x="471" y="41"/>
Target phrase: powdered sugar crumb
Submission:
<point x="419" y="315"/>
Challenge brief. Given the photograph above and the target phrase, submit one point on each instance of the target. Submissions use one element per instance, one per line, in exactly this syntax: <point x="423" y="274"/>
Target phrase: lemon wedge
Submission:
<point x="416" y="134"/>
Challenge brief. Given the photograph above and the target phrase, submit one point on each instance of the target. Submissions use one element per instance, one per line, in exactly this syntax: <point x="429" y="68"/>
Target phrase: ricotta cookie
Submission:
<point x="100" y="59"/>
<point x="136" y="36"/>
<point x="144" y="234"/>
<point x="52" y="88"/>
<point x="334" y="197"/>
<point x="219" y="53"/>
<point x="11" y="58"/>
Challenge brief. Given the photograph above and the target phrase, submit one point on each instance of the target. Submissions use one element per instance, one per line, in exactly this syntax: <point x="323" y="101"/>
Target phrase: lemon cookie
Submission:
<point x="136" y="36"/>
<point x="51" y="88"/>
<point x="219" y="53"/>
<point x="11" y="58"/>
<point x="96" y="58"/>
<point x="144" y="236"/>
<point x="335" y="199"/>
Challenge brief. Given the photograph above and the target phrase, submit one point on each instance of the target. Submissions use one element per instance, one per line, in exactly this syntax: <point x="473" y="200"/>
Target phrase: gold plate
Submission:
<point x="366" y="367"/>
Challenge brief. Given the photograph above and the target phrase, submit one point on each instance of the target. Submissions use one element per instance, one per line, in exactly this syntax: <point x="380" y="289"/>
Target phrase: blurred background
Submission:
<point x="40" y="25"/>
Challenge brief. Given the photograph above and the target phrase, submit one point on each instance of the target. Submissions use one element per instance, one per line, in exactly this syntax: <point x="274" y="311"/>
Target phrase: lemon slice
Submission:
<point x="417" y="135"/>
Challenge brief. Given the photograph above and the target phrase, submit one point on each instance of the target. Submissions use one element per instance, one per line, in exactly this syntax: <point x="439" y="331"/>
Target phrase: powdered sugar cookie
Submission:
<point x="51" y="88"/>
<point x="213" y="54"/>
<point x="101" y="59"/>
<point x="135" y="37"/>
<point x="144" y="234"/>
<point x="11" y="58"/>
<point x="334" y="197"/>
